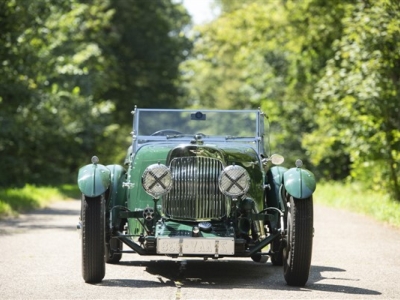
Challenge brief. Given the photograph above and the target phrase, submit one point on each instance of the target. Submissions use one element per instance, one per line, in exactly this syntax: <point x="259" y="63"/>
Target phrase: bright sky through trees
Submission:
<point x="200" y="10"/>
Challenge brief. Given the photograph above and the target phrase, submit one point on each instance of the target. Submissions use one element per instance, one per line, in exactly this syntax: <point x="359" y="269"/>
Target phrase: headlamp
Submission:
<point x="234" y="181"/>
<point x="157" y="180"/>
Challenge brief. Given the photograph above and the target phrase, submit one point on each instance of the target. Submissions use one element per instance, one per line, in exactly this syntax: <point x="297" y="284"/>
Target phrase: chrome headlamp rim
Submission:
<point x="234" y="181"/>
<point x="157" y="180"/>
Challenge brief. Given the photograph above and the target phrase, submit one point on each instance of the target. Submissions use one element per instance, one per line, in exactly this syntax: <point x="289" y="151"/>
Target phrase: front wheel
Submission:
<point x="277" y="250"/>
<point x="93" y="239"/>
<point x="258" y="258"/>
<point x="297" y="252"/>
<point x="112" y="251"/>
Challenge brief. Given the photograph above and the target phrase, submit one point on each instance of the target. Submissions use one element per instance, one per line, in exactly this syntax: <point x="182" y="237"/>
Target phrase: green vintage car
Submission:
<point x="198" y="183"/>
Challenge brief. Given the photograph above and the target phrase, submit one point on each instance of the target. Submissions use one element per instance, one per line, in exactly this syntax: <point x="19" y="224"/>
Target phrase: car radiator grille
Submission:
<point x="195" y="194"/>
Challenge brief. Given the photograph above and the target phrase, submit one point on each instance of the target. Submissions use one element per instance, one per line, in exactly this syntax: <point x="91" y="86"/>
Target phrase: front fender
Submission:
<point x="299" y="183"/>
<point x="277" y="175"/>
<point x="117" y="195"/>
<point x="275" y="179"/>
<point x="93" y="180"/>
<point x="117" y="192"/>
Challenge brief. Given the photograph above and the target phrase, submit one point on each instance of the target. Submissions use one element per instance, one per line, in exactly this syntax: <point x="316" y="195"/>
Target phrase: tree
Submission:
<point x="146" y="45"/>
<point x="72" y="72"/>
<point x="42" y="112"/>
<point x="252" y="56"/>
<point x="359" y="94"/>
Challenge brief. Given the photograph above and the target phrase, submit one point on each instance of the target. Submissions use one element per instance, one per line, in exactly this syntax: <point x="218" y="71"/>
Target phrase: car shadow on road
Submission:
<point x="228" y="274"/>
<point x="314" y="282"/>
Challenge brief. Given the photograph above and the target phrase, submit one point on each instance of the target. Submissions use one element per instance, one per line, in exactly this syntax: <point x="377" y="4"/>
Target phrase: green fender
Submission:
<point x="275" y="180"/>
<point x="117" y="194"/>
<point x="274" y="199"/>
<point x="277" y="174"/>
<point x="93" y="180"/>
<point x="299" y="183"/>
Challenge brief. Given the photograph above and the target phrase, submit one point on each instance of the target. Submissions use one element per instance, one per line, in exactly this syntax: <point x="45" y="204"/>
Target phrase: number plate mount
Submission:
<point x="196" y="246"/>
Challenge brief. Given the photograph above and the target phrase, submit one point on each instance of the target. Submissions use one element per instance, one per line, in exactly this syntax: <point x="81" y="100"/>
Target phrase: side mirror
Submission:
<point x="277" y="159"/>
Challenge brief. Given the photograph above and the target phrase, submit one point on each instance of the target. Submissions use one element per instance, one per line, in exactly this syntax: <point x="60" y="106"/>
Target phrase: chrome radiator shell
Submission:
<point x="195" y="195"/>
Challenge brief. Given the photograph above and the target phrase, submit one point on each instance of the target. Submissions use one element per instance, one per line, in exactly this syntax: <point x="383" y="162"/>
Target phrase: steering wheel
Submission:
<point x="165" y="132"/>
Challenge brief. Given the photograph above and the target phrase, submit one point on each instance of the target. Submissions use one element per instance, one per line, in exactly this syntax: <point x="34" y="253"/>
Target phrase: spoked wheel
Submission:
<point x="93" y="239"/>
<point x="298" y="250"/>
<point x="114" y="245"/>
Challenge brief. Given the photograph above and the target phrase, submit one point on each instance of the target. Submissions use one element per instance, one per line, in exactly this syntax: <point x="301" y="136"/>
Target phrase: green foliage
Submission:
<point x="356" y="198"/>
<point x="72" y="70"/>
<point x="359" y="94"/>
<point x="249" y="57"/>
<point x="148" y="44"/>
<point x="228" y="6"/>
<point x="326" y="73"/>
<point x="47" y="124"/>
<point x="229" y="67"/>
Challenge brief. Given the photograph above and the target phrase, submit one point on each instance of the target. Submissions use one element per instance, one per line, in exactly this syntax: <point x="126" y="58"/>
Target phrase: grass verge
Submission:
<point x="16" y="200"/>
<point x="354" y="198"/>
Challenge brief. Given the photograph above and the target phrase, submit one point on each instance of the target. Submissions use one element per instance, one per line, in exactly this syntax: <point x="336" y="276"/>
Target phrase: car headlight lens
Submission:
<point x="234" y="181"/>
<point x="157" y="180"/>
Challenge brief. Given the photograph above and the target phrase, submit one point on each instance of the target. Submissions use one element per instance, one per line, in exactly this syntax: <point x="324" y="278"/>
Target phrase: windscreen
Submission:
<point x="188" y="122"/>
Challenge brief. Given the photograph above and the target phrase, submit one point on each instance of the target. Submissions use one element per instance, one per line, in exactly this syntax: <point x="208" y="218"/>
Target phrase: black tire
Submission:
<point x="93" y="239"/>
<point x="298" y="249"/>
<point x="111" y="256"/>
<point x="273" y="200"/>
<point x="258" y="258"/>
<point x="277" y="249"/>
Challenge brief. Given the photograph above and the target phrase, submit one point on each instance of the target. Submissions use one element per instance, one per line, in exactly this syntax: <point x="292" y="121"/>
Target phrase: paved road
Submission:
<point x="354" y="258"/>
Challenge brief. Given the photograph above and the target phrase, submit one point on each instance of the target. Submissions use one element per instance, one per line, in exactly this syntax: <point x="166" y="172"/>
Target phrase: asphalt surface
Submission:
<point x="354" y="257"/>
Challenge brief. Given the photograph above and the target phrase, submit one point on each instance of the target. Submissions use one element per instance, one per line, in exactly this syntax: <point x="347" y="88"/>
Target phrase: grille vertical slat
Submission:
<point x="195" y="194"/>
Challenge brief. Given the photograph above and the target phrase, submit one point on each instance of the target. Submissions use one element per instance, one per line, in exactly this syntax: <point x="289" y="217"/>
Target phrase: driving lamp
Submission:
<point x="234" y="181"/>
<point x="157" y="180"/>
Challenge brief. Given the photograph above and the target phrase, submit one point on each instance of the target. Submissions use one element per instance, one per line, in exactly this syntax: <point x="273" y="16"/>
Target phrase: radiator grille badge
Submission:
<point x="148" y="213"/>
